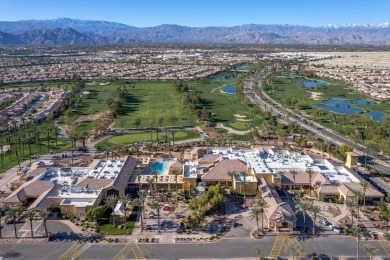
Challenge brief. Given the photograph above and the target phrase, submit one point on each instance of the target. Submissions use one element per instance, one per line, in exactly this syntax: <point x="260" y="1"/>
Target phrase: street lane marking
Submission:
<point x="130" y="248"/>
<point x="71" y="250"/>
<point x="277" y="246"/>
<point x="297" y="245"/>
<point x="80" y="251"/>
<point x="386" y="246"/>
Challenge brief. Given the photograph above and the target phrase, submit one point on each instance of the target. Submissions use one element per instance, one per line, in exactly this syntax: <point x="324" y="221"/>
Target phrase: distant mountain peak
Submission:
<point x="352" y="25"/>
<point x="75" y="31"/>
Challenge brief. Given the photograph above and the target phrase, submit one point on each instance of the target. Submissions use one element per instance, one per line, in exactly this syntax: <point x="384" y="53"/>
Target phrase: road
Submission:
<point x="331" y="246"/>
<point x="287" y="116"/>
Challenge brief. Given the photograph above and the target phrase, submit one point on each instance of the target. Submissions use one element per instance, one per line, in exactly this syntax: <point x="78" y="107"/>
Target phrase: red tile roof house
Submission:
<point x="50" y="187"/>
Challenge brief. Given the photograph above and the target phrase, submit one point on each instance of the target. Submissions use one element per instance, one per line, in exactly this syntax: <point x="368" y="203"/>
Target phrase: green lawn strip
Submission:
<point x="287" y="87"/>
<point x="152" y="99"/>
<point x="61" y="146"/>
<point x="142" y="136"/>
<point x="83" y="127"/>
<point x="127" y="228"/>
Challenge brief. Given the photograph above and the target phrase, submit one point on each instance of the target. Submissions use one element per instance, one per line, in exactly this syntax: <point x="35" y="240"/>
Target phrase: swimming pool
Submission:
<point x="160" y="167"/>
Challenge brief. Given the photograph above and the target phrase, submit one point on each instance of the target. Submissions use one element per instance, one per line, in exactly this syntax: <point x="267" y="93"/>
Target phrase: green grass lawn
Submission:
<point x="83" y="127"/>
<point x="127" y="228"/>
<point x="224" y="106"/>
<point x="141" y="136"/>
<point x="152" y="99"/>
<point x="10" y="161"/>
<point x="287" y="87"/>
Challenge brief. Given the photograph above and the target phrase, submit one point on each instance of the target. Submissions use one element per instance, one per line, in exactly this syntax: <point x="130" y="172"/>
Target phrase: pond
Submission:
<point x="242" y="67"/>
<point x="226" y="77"/>
<point x="231" y="89"/>
<point x="343" y="106"/>
<point x="307" y="83"/>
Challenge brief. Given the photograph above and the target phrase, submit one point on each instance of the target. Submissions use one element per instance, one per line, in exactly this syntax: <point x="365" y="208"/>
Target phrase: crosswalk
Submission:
<point x="130" y="248"/>
<point x="386" y="246"/>
<point x="278" y="245"/>
<point x="280" y="242"/>
<point x="71" y="250"/>
<point x="297" y="247"/>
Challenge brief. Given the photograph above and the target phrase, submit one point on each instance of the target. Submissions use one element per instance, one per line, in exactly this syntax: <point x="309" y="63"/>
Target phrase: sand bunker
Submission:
<point x="230" y="130"/>
<point x="315" y="95"/>
<point x="103" y="84"/>
<point x="85" y="92"/>
<point x="238" y="115"/>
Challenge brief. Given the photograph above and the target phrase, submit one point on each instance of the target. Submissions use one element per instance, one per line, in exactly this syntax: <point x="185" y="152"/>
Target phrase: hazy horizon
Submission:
<point x="202" y="13"/>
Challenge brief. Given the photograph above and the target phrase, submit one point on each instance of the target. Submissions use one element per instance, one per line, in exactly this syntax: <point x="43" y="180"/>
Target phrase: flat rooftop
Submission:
<point x="269" y="160"/>
<point x="190" y="170"/>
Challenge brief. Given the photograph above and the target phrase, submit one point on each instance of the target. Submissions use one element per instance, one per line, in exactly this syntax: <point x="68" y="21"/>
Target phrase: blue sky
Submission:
<point x="145" y="13"/>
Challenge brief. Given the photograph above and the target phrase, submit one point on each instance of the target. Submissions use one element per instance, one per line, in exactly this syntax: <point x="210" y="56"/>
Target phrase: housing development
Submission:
<point x="177" y="142"/>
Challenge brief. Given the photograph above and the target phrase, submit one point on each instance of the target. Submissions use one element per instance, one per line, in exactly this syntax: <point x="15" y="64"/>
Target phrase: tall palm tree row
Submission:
<point x="30" y="216"/>
<point x="110" y="203"/>
<point x="157" y="206"/>
<point x="176" y="173"/>
<point x="14" y="213"/>
<point x="244" y="182"/>
<point x="310" y="173"/>
<point x="315" y="212"/>
<point x="262" y="205"/>
<point x="125" y="199"/>
<point x="356" y="232"/>
<point x="304" y="207"/>
<point x="142" y="194"/>
<point x="44" y="215"/>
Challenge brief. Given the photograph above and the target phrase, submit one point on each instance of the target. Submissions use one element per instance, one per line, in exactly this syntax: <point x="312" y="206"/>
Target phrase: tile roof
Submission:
<point x="210" y="158"/>
<point x="301" y="178"/>
<point x="277" y="210"/>
<point x="220" y="171"/>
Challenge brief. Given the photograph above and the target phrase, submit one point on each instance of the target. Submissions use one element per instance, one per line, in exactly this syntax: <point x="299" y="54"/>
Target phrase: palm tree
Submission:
<point x="138" y="173"/>
<point x="310" y="172"/>
<point x="125" y="199"/>
<point x="387" y="236"/>
<point x="303" y="207"/>
<point x="155" y="173"/>
<point x="44" y="215"/>
<point x="3" y="209"/>
<point x="294" y="173"/>
<point x="14" y="214"/>
<point x="111" y="202"/>
<point x="176" y="173"/>
<point x="156" y="205"/>
<point x="244" y="183"/>
<point x="262" y="205"/>
<point x="356" y="232"/>
<point x="350" y="203"/>
<point x="359" y="195"/>
<point x="365" y="185"/>
<point x="141" y="204"/>
<point x="151" y="182"/>
<point x="173" y="120"/>
<point x="255" y="214"/>
<point x="30" y="216"/>
<point x="232" y="174"/>
<point x="370" y="250"/>
<point x="315" y="211"/>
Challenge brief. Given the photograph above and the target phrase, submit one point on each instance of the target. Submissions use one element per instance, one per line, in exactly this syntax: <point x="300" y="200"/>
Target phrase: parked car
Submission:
<point x="337" y="230"/>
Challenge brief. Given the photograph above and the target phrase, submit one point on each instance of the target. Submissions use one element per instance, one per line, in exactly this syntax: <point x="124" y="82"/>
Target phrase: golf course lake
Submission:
<point x="307" y="83"/>
<point x="226" y="77"/>
<point x="231" y="89"/>
<point x="343" y="106"/>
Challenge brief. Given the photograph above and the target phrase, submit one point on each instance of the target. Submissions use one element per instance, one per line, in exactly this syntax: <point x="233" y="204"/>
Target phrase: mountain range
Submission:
<point x="65" y="31"/>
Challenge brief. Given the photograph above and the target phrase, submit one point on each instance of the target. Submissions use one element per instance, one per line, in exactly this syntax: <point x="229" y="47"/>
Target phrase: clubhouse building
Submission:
<point x="75" y="190"/>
